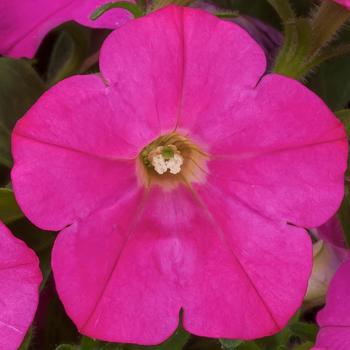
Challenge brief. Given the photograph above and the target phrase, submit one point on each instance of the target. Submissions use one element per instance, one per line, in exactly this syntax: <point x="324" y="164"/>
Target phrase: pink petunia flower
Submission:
<point x="181" y="179"/>
<point x="334" y="319"/>
<point x="24" y="23"/>
<point x="20" y="278"/>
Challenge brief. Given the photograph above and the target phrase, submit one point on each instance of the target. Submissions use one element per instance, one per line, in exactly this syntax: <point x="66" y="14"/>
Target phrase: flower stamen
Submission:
<point x="169" y="159"/>
<point x="165" y="158"/>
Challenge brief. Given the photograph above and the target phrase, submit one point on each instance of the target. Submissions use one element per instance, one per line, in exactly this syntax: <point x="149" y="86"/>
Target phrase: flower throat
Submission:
<point x="172" y="159"/>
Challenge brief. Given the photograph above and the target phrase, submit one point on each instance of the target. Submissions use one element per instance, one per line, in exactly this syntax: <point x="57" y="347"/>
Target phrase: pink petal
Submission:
<point x="164" y="71"/>
<point x="20" y="278"/>
<point x="109" y="274"/>
<point x="274" y="270"/>
<point x="334" y="319"/>
<point x="75" y="160"/>
<point x="283" y="150"/>
<point x="25" y="23"/>
<point x="332" y="232"/>
<point x="168" y="253"/>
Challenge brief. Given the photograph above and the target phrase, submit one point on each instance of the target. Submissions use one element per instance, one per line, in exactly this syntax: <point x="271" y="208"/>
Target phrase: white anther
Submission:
<point x="159" y="164"/>
<point x="174" y="164"/>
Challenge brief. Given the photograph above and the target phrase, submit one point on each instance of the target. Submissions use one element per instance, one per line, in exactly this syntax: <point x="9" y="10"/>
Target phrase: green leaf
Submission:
<point x="249" y="346"/>
<point x="9" y="209"/>
<point x="87" y="343"/>
<point x="176" y="342"/>
<point x="230" y="344"/>
<point x="305" y="331"/>
<point x="305" y="346"/>
<point x="27" y="340"/>
<point x="135" y="10"/>
<point x="344" y="217"/>
<point x="20" y="87"/>
<point x="272" y="342"/>
<point x="69" y="52"/>
<point x="344" y="116"/>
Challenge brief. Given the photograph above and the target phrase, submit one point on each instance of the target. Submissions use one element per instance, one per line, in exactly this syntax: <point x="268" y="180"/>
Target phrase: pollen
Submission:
<point x="170" y="160"/>
<point x="165" y="158"/>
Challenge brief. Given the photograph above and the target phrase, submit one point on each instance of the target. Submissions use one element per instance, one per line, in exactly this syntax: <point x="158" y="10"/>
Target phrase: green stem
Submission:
<point x="326" y="22"/>
<point x="287" y="15"/>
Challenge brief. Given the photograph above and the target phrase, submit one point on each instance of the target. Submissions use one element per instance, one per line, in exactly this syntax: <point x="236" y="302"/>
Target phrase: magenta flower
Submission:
<point x="181" y="179"/>
<point x="334" y="319"/>
<point x="20" y="278"/>
<point x="24" y="23"/>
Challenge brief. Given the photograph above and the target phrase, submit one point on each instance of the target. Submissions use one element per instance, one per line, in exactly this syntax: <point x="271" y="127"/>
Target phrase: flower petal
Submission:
<point x="287" y="157"/>
<point x="273" y="271"/>
<point x="109" y="277"/>
<point x="334" y="319"/>
<point x="20" y="278"/>
<point x="74" y="159"/>
<point x="163" y="71"/>
<point x="25" y="23"/>
<point x="130" y="285"/>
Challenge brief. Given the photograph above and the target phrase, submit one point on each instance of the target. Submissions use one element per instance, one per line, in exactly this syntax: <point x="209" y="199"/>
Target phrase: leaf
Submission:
<point x="344" y="116"/>
<point x="66" y="347"/>
<point x="305" y="331"/>
<point x="305" y="346"/>
<point x="230" y="344"/>
<point x="344" y="217"/>
<point x="27" y="340"/>
<point x="9" y="209"/>
<point x="69" y="52"/>
<point x="249" y="346"/>
<point x="87" y="343"/>
<point x="20" y="87"/>
<point x="176" y="342"/>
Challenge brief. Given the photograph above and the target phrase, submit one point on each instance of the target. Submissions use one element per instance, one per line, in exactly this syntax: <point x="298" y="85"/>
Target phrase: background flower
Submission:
<point x="24" y="23"/>
<point x="334" y="319"/>
<point x="20" y="278"/>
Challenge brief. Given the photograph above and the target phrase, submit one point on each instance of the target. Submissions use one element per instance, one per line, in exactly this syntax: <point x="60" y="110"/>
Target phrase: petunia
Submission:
<point x="20" y="278"/>
<point x="24" y="23"/>
<point x="334" y="319"/>
<point x="181" y="178"/>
